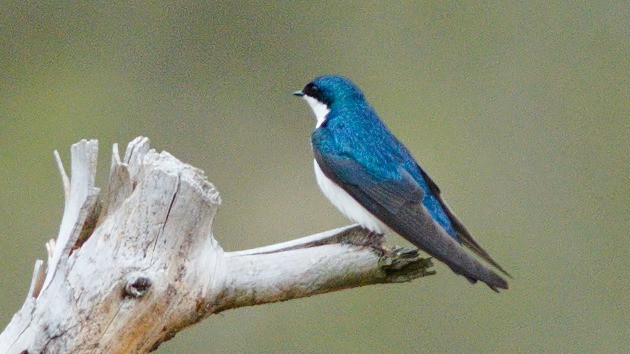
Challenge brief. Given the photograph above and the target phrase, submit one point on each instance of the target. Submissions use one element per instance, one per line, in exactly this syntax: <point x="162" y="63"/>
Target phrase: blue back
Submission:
<point x="353" y="130"/>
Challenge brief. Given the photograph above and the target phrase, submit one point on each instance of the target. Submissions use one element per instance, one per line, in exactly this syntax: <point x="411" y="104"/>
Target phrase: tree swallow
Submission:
<point x="373" y="180"/>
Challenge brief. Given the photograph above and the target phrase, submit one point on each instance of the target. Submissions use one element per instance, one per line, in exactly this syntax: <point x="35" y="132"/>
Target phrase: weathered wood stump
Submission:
<point x="136" y="264"/>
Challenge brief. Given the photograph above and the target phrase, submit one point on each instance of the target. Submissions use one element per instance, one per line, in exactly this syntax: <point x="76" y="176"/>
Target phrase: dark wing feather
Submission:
<point x="397" y="202"/>
<point x="466" y="237"/>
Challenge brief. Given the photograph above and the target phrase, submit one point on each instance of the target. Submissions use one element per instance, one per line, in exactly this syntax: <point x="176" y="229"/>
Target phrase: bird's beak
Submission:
<point x="298" y="93"/>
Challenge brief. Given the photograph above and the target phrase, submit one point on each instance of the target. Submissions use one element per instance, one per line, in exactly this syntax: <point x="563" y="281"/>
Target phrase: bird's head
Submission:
<point x="326" y="91"/>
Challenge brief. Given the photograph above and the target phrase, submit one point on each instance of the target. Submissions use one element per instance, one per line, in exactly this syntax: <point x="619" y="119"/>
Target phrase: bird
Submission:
<point x="374" y="180"/>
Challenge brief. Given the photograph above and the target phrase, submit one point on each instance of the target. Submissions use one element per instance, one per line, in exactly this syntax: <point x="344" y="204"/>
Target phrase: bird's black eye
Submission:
<point x="312" y="90"/>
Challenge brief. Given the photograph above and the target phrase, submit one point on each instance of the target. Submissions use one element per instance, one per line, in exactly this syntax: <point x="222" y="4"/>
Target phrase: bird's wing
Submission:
<point x="467" y="239"/>
<point x="397" y="202"/>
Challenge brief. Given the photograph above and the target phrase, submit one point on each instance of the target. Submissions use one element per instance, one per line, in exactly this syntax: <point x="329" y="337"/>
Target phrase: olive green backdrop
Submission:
<point x="519" y="111"/>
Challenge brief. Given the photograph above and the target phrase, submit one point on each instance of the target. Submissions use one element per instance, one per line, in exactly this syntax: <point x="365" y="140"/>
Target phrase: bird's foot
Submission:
<point x="372" y="240"/>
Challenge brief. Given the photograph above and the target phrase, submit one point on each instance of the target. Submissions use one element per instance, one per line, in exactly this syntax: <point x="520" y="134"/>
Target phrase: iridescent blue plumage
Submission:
<point x="356" y="152"/>
<point x="371" y="144"/>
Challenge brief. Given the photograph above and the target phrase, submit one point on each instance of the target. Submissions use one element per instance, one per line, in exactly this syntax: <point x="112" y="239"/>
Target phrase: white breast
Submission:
<point x="346" y="204"/>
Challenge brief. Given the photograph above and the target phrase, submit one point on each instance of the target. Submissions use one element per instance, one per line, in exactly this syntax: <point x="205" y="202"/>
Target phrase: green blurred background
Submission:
<point x="519" y="111"/>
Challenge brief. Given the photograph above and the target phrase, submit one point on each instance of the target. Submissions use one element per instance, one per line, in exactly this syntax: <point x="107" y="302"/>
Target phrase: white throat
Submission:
<point x="320" y="110"/>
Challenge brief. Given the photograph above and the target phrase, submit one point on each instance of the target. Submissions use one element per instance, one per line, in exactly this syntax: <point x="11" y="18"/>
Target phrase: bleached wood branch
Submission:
<point x="131" y="269"/>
